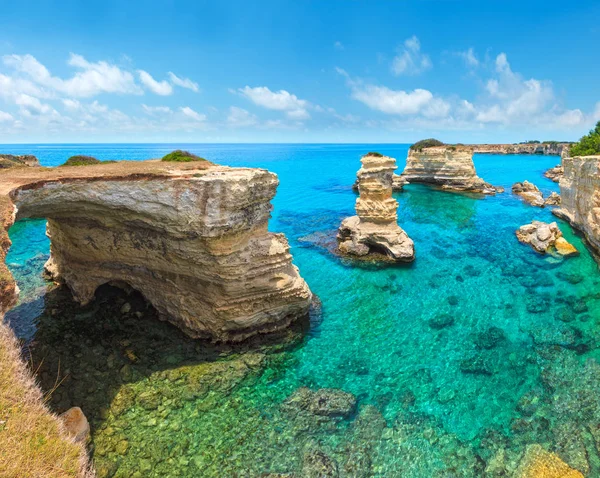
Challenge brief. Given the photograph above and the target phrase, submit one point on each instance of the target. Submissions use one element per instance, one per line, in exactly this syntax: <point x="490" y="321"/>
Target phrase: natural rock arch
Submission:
<point x="192" y="238"/>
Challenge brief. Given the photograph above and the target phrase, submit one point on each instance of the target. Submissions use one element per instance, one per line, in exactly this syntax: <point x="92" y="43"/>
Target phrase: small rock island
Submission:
<point x="374" y="231"/>
<point x="447" y="166"/>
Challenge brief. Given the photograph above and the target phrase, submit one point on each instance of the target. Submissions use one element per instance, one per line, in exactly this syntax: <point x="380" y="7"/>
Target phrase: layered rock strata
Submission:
<point x="374" y="231"/>
<point x="12" y="161"/>
<point x="550" y="149"/>
<point x="191" y="237"/>
<point x="531" y="194"/>
<point x="555" y="173"/>
<point x="580" y="196"/>
<point x="449" y="167"/>
<point x="398" y="183"/>
<point x="543" y="238"/>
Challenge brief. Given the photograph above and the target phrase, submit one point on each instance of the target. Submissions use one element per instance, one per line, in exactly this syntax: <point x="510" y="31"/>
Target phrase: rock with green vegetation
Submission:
<point x="81" y="160"/>
<point x="588" y="145"/>
<point x="426" y="143"/>
<point x="180" y="156"/>
<point x="11" y="161"/>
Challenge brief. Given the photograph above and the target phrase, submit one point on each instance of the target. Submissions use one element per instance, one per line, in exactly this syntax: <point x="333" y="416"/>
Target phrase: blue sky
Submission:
<point x="303" y="71"/>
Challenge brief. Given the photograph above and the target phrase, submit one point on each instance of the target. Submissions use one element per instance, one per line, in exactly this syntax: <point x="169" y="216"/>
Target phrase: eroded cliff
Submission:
<point x="449" y="167"/>
<point x="374" y="231"/>
<point x="192" y="238"/>
<point x="580" y="196"/>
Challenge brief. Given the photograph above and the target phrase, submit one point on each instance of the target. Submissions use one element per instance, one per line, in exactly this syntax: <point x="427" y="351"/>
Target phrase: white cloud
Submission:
<point x="162" y="88"/>
<point x="184" y="82"/>
<point x="281" y="100"/>
<point x="469" y="57"/>
<point x="338" y="45"/>
<point x="94" y="78"/>
<point x="239" y="117"/>
<point x="190" y="113"/>
<point x="5" y="117"/>
<point x="31" y="105"/>
<point x="410" y="60"/>
<point x="151" y="110"/>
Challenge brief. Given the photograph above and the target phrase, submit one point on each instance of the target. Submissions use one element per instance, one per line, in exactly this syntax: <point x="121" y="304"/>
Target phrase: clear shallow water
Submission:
<point x="517" y="366"/>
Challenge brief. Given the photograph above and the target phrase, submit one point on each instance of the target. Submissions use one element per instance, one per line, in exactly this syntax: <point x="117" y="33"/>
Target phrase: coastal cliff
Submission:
<point x="449" y="167"/>
<point x="550" y="149"/>
<point x="12" y="161"/>
<point x="191" y="237"/>
<point x="580" y="196"/>
<point x="374" y="231"/>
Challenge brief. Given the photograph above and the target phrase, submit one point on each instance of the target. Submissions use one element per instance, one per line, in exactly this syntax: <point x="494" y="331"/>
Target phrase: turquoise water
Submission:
<point x="515" y="363"/>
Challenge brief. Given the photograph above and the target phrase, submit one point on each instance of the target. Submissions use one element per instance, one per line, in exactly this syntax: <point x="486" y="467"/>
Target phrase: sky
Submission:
<point x="333" y="71"/>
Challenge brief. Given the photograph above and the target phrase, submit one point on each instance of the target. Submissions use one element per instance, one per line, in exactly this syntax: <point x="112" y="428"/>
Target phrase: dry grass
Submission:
<point x="32" y="441"/>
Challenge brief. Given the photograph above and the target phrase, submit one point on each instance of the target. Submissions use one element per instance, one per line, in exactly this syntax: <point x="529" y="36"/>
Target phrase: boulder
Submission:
<point x="76" y="424"/>
<point x="328" y="402"/>
<point x="555" y="173"/>
<point x="542" y="237"/>
<point x="539" y="463"/>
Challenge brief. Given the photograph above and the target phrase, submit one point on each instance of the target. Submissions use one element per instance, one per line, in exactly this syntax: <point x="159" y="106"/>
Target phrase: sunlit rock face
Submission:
<point x="374" y="231"/>
<point x="450" y="167"/>
<point x="12" y="161"/>
<point x="580" y="196"/>
<point x="196" y="246"/>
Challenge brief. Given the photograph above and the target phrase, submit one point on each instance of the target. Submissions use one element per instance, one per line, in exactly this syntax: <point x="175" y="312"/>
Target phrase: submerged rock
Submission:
<point x="441" y="321"/>
<point x="450" y="167"/>
<point x="329" y="402"/>
<point x="539" y="463"/>
<point x="543" y="237"/>
<point x="490" y="338"/>
<point x="317" y="464"/>
<point x="374" y="231"/>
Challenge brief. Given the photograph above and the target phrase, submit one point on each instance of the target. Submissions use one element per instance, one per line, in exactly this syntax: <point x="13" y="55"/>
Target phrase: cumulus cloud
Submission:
<point x="162" y="88"/>
<point x="410" y="60"/>
<point x="190" y="113"/>
<point x="183" y="82"/>
<point x="281" y="100"/>
<point x="239" y="117"/>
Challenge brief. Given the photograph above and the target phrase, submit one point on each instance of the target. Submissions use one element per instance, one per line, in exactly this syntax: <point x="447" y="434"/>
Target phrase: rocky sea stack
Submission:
<point x="532" y="195"/>
<point x="449" y="167"/>
<point x="543" y="237"/>
<point x="191" y="237"/>
<point x="374" y="231"/>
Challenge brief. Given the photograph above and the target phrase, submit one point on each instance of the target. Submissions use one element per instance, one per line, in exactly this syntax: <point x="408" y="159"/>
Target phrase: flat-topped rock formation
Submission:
<point x="531" y="194"/>
<point x="555" y="173"/>
<point x="191" y="237"/>
<point x="543" y="237"/>
<point x="580" y="196"/>
<point x="448" y="167"/>
<point x="374" y="231"/>
<point x="12" y="161"/>
<point x="550" y="149"/>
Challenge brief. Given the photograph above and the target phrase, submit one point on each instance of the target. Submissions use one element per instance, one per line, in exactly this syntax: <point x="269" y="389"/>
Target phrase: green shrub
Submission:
<point x="81" y="160"/>
<point x="588" y="145"/>
<point x="180" y="156"/>
<point x="374" y="153"/>
<point x="426" y="143"/>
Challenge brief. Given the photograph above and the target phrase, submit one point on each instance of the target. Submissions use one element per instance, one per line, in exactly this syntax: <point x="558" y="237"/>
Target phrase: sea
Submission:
<point x="456" y="363"/>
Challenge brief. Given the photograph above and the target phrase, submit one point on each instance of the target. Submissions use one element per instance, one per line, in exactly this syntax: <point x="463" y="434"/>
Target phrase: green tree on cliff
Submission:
<point x="588" y="145"/>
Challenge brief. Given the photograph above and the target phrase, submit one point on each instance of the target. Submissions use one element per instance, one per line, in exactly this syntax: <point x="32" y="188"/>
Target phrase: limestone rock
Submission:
<point x="543" y="237"/>
<point x="539" y="463"/>
<point x="529" y="192"/>
<point x="76" y="424"/>
<point x="555" y="173"/>
<point x="12" y="161"/>
<point x="191" y="237"/>
<point x="580" y="196"/>
<point x="551" y="149"/>
<point x="398" y="183"/>
<point x="552" y="200"/>
<point x="449" y="167"/>
<point x="374" y="231"/>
